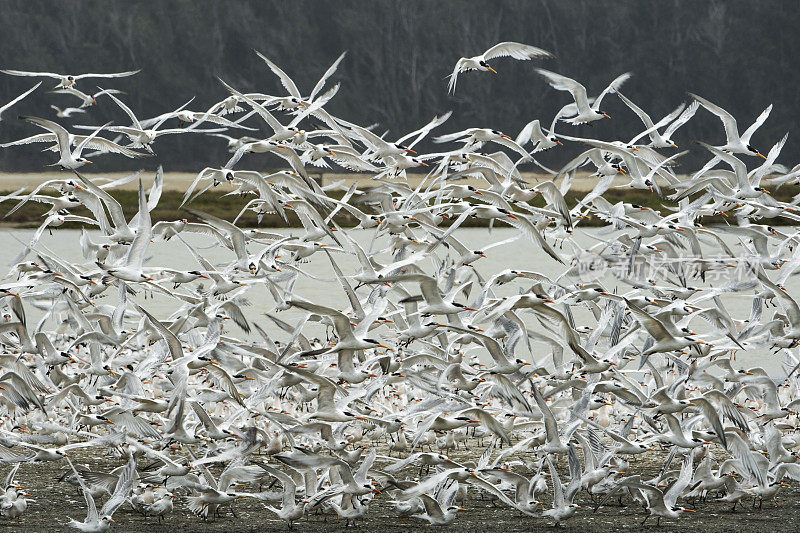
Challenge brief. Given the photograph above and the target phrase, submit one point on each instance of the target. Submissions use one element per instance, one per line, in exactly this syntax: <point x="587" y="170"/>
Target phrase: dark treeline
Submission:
<point x="742" y="55"/>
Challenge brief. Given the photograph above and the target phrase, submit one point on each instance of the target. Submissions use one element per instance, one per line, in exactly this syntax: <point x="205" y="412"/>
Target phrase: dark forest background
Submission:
<point x="741" y="54"/>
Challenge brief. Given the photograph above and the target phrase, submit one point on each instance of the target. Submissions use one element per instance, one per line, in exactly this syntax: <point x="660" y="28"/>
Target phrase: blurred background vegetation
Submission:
<point x="741" y="54"/>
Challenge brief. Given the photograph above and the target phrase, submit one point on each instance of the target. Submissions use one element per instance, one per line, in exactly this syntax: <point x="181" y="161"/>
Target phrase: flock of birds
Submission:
<point x="430" y="386"/>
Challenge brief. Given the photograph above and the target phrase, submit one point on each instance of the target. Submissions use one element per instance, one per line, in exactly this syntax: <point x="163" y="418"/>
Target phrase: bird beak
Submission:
<point x="559" y="143"/>
<point x="606" y="115"/>
<point x="204" y="276"/>
<point x="491" y="69"/>
<point x="689" y="511"/>
<point x="762" y="155"/>
<point x="88" y="161"/>
<point x="424" y="164"/>
<point x="410" y="151"/>
<point x="674" y="145"/>
<point x="506" y="137"/>
<point x="515" y="217"/>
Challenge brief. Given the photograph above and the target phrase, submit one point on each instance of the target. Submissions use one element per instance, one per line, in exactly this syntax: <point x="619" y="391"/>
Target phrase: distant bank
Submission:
<point x="180" y="181"/>
<point x="215" y="201"/>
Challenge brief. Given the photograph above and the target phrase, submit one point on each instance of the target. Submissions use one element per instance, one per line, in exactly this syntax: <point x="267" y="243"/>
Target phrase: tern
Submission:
<point x="514" y="50"/>
<point x="585" y="112"/>
<point x="69" y="80"/>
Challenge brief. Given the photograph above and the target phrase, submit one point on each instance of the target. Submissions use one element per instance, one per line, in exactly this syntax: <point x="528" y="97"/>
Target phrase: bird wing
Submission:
<point x="575" y="472"/>
<point x="648" y="122"/>
<point x="109" y="75"/>
<point x="731" y="129"/>
<point x="261" y="110"/>
<point x="684" y="478"/>
<point x="489" y="421"/>
<point x="328" y="73"/>
<point x="612" y="88"/>
<point x="710" y="413"/>
<point x="122" y="490"/>
<point x="37" y="74"/>
<point x="451" y="85"/>
<point x="682" y="119"/>
<point x="85" y="142"/>
<point x="424" y="130"/>
<point x="550" y="425"/>
<point x="286" y="81"/>
<point x="340" y="321"/>
<point x="563" y="83"/>
<point x="174" y="344"/>
<point x="526" y="132"/>
<point x="741" y="451"/>
<point x="144" y="233"/>
<point x="62" y="136"/>
<point x="520" y="51"/>
<point x="654" y="327"/>
<point x="91" y="508"/>
<point x="237" y="235"/>
<point x="432" y="507"/>
<point x="755" y="125"/>
<point x="558" y="489"/>
<point x="114" y="208"/>
<point x="736" y="164"/>
<point x="134" y="121"/>
<point x="18" y="98"/>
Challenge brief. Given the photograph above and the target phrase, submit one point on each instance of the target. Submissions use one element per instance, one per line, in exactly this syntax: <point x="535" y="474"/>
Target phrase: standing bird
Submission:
<point x="520" y="51"/>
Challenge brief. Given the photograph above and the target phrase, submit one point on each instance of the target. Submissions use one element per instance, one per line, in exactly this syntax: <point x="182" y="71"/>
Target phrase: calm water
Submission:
<point x="520" y="254"/>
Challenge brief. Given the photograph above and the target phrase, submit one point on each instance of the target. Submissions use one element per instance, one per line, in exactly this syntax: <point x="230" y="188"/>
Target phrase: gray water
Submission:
<point x="325" y="290"/>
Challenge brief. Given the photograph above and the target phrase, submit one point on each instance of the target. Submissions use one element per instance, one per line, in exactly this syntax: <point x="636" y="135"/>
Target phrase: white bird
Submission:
<point x="735" y="143"/>
<point x="514" y="50"/>
<point x="69" y="159"/>
<point x="586" y="111"/>
<point x="69" y="80"/>
<point x="67" y="111"/>
<point x="101" y="522"/>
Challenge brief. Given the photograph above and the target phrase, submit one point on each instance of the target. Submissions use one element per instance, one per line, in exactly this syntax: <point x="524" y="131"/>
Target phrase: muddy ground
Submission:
<point x="55" y="502"/>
